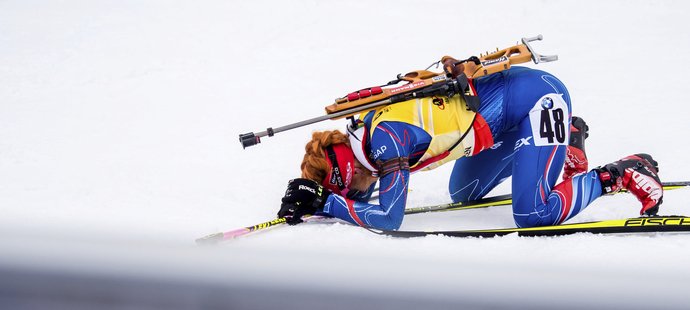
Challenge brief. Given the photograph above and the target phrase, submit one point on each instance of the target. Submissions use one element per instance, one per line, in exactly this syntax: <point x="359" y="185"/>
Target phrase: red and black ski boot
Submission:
<point x="639" y="175"/>
<point x="575" y="156"/>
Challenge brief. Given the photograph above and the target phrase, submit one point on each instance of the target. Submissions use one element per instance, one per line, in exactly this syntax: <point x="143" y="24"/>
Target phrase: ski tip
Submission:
<point x="210" y="239"/>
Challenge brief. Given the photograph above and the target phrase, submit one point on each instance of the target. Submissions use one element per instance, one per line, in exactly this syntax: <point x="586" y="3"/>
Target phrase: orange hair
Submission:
<point x="314" y="165"/>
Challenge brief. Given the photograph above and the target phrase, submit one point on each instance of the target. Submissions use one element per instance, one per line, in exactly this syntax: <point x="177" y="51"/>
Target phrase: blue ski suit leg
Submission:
<point x="531" y="131"/>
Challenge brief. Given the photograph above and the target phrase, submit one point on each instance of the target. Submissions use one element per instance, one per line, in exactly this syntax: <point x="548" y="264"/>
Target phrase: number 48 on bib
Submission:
<point x="549" y="120"/>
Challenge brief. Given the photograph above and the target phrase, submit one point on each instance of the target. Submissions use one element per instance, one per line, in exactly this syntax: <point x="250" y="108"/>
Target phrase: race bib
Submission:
<point x="549" y="120"/>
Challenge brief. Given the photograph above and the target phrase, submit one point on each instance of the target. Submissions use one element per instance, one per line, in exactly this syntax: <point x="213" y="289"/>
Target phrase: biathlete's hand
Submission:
<point x="451" y="65"/>
<point x="302" y="197"/>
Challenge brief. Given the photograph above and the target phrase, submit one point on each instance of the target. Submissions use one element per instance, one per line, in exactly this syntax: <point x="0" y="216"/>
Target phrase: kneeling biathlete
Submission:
<point x="523" y="128"/>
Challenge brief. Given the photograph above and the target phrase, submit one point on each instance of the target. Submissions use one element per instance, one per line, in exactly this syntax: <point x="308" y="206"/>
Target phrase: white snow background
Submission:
<point x="119" y="124"/>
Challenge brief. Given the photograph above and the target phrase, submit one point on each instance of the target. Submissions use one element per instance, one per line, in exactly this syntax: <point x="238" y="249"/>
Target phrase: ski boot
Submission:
<point x="576" y="158"/>
<point x="638" y="174"/>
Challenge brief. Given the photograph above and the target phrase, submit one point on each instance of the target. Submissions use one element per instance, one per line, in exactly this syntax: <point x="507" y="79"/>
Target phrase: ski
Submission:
<point x="623" y="226"/>
<point x="218" y="237"/>
<point x="232" y="234"/>
<point x="500" y="200"/>
<point x="503" y="200"/>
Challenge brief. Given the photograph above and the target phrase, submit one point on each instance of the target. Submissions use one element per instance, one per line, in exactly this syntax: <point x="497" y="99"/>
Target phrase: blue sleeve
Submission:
<point x="389" y="140"/>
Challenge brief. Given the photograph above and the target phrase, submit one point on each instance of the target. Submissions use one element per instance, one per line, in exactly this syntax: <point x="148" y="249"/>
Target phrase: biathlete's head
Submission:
<point x="330" y="161"/>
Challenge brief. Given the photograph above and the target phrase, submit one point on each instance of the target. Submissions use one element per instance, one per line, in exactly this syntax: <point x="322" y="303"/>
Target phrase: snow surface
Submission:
<point x="118" y="144"/>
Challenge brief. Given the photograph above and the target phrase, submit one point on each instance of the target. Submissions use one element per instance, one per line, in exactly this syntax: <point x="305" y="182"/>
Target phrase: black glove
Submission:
<point x="302" y="197"/>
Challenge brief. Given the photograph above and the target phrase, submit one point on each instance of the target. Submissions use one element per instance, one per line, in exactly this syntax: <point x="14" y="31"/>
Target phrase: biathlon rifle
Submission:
<point x="454" y="80"/>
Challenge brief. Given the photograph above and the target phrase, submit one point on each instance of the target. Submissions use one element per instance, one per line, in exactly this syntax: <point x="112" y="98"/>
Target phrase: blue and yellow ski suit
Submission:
<point x="521" y="130"/>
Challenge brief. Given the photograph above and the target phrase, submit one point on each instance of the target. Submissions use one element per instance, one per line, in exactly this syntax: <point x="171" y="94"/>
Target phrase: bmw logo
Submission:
<point x="547" y="103"/>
